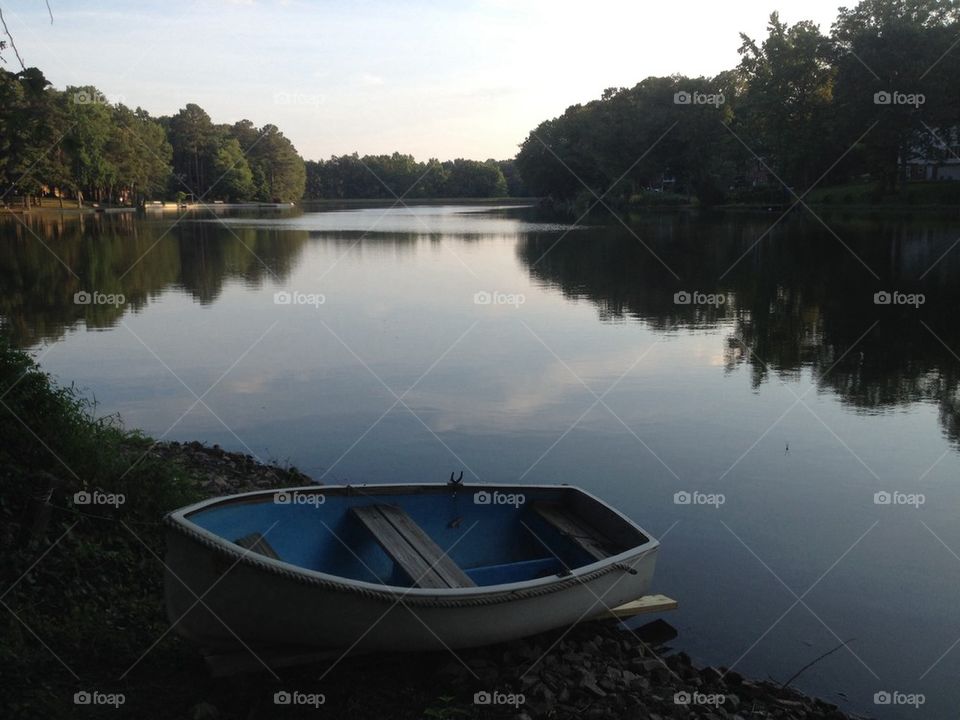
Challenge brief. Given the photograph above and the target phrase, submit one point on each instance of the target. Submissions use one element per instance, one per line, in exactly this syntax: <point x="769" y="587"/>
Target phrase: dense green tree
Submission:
<point x="876" y="93"/>
<point x="89" y="130"/>
<point x="233" y="176"/>
<point x="195" y="143"/>
<point x="786" y="110"/>
<point x="75" y="143"/>
<point x="471" y="178"/>
<point x="515" y="185"/>
<point x="140" y="153"/>
<point x="904" y="48"/>
<point x="660" y="131"/>
<point x="29" y="128"/>
<point x="389" y="177"/>
<point x="278" y="170"/>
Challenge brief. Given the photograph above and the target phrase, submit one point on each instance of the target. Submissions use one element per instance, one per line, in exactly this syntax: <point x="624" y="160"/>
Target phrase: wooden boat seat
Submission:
<point x="255" y="542"/>
<point x="571" y="526"/>
<point x="411" y="548"/>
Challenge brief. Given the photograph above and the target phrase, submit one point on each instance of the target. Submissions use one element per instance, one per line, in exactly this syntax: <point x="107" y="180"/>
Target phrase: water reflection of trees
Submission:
<point x="797" y="299"/>
<point x="47" y="259"/>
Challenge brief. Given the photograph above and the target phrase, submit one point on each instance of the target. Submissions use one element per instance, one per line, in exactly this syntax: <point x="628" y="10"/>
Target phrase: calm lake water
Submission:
<point x="381" y="345"/>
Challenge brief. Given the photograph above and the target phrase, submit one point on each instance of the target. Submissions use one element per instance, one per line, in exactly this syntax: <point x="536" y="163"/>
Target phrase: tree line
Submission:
<point x="76" y="144"/>
<point x="802" y="107"/>
<point x="390" y="176"/>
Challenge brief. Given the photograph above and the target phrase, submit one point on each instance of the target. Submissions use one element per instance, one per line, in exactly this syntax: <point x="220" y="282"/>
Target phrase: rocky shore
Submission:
<point x="598" y="670"/>
<point x="594" y="671"/>
<point x="220" y="472"/>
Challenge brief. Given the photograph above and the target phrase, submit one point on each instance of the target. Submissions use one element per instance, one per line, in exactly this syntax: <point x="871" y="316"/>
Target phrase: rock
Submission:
<point x="789" y="704"/>
<point x="204" y="711"/>
<point x="656" y="633"/>
<point x="650" y="665"/>
<point x="598" y="713"/>
<point x="731" y="677"/>
<point x="711" y="675"/>
<point x="589" y="682"/>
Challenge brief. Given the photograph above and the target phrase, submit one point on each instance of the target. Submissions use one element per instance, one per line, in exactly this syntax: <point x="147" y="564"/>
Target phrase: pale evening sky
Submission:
<point x="435" y="79"/>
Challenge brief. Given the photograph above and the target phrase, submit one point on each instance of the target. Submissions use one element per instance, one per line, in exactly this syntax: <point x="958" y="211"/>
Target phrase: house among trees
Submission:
<point x="939" y="161"/>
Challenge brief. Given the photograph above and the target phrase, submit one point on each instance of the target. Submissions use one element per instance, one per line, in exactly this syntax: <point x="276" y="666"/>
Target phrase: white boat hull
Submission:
<point x="222" y="597"/>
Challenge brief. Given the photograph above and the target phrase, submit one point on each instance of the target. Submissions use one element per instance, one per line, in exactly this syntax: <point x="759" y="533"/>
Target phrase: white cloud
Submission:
<point x="369" y="80"/>
<point x="434" y="79"/>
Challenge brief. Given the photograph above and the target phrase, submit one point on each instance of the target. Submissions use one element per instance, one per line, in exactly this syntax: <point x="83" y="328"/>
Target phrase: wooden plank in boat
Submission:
<point x="397" y="547"/>
<point x="574" y="528"/>
<point x="255" y="542"/>
<point x="411" y="548"/>
<point x="441" y="563"/>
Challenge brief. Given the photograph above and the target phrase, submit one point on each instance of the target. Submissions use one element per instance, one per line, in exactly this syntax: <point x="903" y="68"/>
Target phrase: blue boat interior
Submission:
<point x="498" y="541"/>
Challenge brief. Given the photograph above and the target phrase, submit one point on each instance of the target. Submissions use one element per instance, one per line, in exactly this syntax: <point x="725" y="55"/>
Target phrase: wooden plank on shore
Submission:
<point x="645" y="604"/>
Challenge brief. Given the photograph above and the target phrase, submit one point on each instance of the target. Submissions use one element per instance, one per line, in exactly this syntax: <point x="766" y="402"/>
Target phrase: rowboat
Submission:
<point x="409" y="567"/>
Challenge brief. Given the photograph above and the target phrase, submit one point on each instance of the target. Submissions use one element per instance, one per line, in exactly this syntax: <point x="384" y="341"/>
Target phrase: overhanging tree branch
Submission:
<point x="12" y="43"/>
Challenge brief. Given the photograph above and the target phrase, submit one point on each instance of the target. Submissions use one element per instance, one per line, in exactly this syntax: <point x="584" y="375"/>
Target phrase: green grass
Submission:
<point x="910" y="194"/>
<point x="646" y="198"/>
<point x="93" y="597"/>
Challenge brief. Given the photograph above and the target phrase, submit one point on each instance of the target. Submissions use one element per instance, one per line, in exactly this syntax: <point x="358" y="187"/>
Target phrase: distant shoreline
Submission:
<point x="173" y="206"/>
